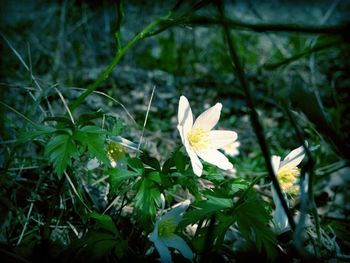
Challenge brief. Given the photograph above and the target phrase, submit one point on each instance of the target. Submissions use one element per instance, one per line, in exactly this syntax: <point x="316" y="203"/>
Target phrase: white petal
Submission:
<point x="275" y="161"/>
<point x="208" y="119"/>
<point x="294" y="158"/>
<point x="184" y="115"/>
<point x="197" y="166"/>
<point x="154" y="235"/>
<point x="219" y="139"/>
<point x="179" y="244"/>
<point x="216" y="158"/>
<point x="180" y="129"/>
<point x="165" y="255"/>
<point x="279" y="215"/>
<point x="177" y="211"/>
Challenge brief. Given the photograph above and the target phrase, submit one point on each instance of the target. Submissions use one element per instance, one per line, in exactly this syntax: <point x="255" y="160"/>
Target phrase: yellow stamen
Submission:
<point x="199" y="139"/>
<point x="287" y="176"/>
<point x="166" y="228"/>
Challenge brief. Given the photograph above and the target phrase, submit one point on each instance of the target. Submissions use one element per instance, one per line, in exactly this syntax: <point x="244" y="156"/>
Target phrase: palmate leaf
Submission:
<point x="147" y="200"/>
<point x="204" y="209"/>
<point x="252" y="216"/>
<point x="60" y="151"/>
<point x="93" y="138"/>
<point x="136" y="165"/>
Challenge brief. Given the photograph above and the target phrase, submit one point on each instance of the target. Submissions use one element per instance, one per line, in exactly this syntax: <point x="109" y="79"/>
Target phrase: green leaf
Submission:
<point x="251" y="215"/>
<point x="204" y="209"/>
<point x="168" y="164"/>
<point x="151" y="161"/>
<point x="118" y="176"/>
<point x="136" y="165"/>
<point x="93" y="138"/>
<point x="88" y="117"/>
<point x="60" y="151"/>
<point x="117" y="128"/>
<point x="147" y="200"/>
<point x="93" y="129"/>
<point x="154" y="176"/>
<point x="95" y="247"/>
<point x="61" y="120"/>
<point x="238" y="184"/>
<point x="39" y="131"/>
<point x="104" y="221"/>
<point x="180" y="160"/>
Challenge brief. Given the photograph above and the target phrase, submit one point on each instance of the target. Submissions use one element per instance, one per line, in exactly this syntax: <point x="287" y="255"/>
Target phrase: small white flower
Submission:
<point x="232" y="149"/>
<point x="287" y="174"/>
<point x="200" y="140"/>
<point x="163" y="235"/>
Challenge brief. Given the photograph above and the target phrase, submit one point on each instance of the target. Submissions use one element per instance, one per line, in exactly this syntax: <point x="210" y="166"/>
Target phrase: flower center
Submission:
<point x="287" y="176"/>
<point x="166" y="228"/>
<point x="199" y="139"/>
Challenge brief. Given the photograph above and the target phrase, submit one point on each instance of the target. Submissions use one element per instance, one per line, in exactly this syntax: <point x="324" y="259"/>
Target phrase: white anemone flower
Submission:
<point x="287" y="174"/>
<point x="232" y="149"/>
<point x="200" y="140"/>
<point x="163" y="235"/>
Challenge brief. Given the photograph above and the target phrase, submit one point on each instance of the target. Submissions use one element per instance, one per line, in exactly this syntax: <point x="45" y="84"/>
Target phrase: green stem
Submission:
<point x="105" y="74"/>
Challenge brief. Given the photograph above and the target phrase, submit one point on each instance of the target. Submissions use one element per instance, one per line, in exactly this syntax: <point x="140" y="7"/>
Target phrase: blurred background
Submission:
<point x="67" y="45"/>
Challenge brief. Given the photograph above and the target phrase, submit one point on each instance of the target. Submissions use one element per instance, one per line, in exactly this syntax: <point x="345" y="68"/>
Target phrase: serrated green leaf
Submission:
<point x="154" y="176"/>
<point x="252" y="216"/>
<point x="60" y="151"/>
<point x="204" y="209"/>
<point x="93" y="138"/>
<point x="147" y="200"/>
<point x="238" y="184"/>
<point x="136" y="165"/>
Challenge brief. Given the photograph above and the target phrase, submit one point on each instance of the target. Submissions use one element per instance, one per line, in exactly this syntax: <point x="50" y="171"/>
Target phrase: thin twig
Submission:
<point x="254" y="118"/>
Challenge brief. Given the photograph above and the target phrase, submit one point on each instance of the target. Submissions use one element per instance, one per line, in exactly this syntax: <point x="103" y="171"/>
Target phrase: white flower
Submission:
<point x="200" y="140"/>
<point x="232" y="148"/>
<point x="287" y="174"/>
<point x="163" y="235"/>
